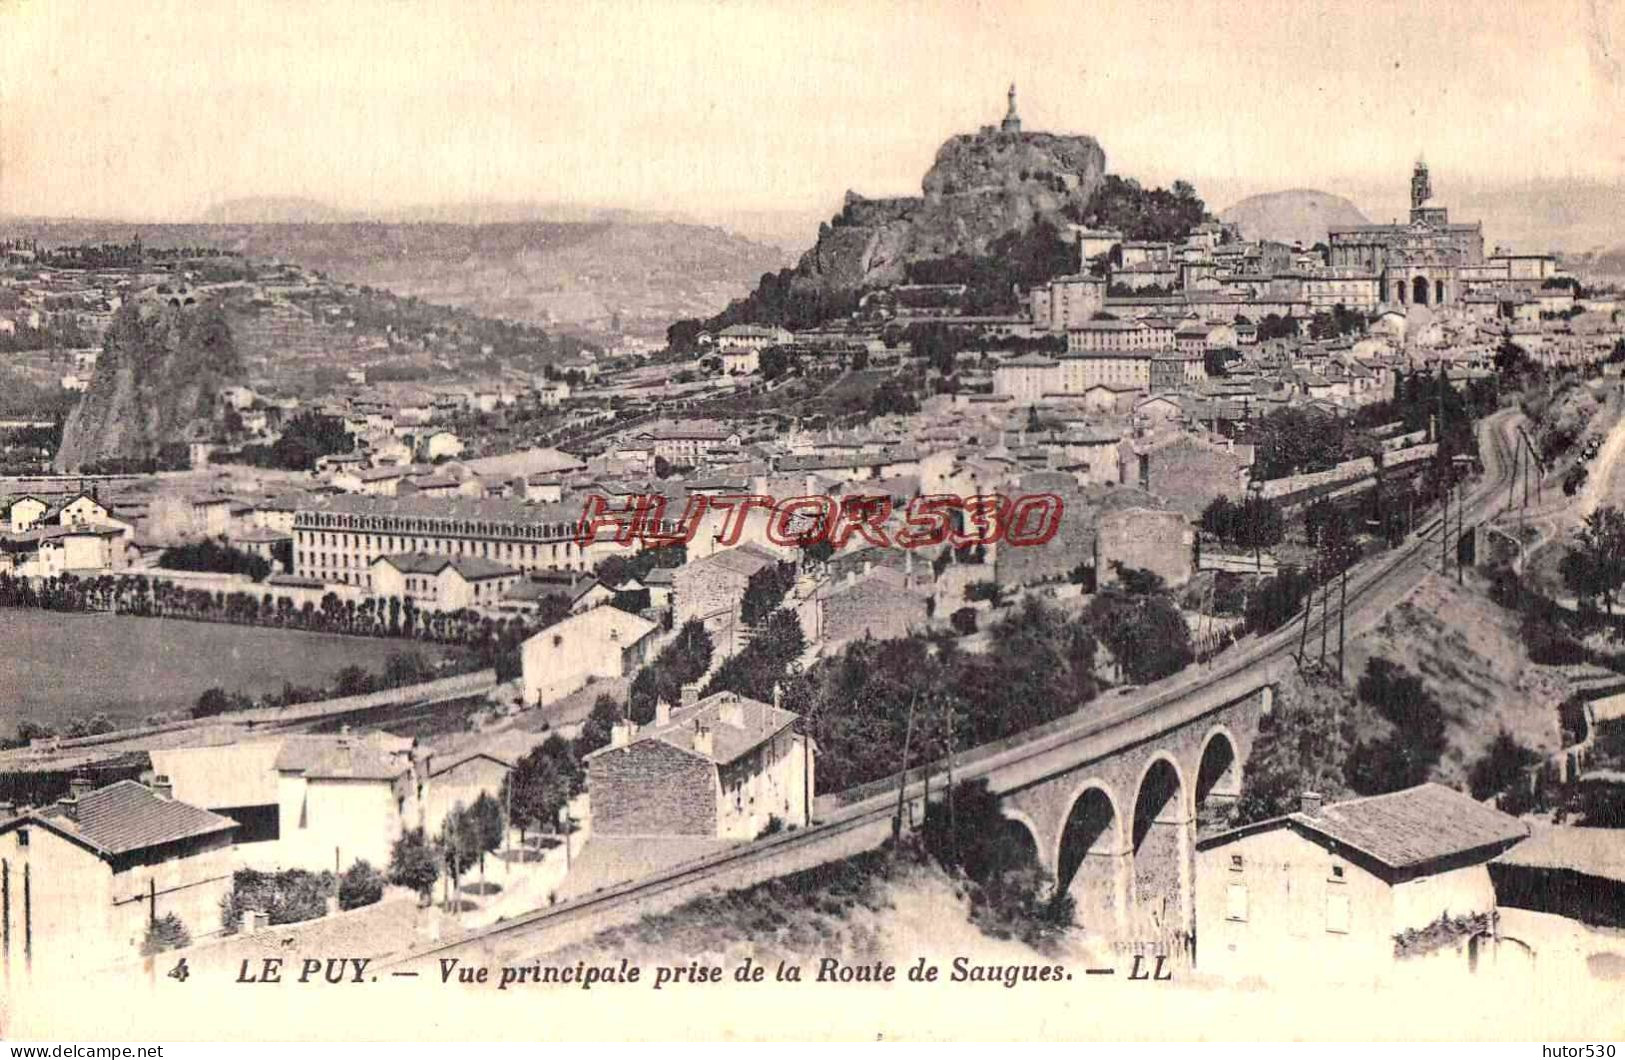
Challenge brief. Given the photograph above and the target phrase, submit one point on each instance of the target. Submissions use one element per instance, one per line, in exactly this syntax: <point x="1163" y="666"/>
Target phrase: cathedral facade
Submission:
<point x="1419" y="263"/>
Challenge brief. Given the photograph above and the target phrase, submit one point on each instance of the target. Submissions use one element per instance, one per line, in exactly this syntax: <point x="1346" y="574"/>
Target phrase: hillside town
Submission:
<point x="695" y="606"/>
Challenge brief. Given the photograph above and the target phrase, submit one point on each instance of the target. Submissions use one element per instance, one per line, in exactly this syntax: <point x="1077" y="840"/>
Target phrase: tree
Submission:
<point x="1501" y="766"/>
<point x="404" y="668"/>
<point x="1147" y="635"/>
<point x="165" y="933"/>
<point x="458" y="847"/>
<point x="212" y="556"/>
<point x="764" y="591"/>
<point x="1301" y="746"/>
<point x="963" y="621"/>
<point x="413" y="865"/>
<point x="489" y="828"/>
<point x="1595" y="566"/>
<point x="774" y="362"/>
<point x="542" y="783"/>
<point x="360" y="885"/>
<point x="352" y="680"/>
<point x="211" y="702"/>
<point x="596" y="730"/>
<point x="1407" y="756"/>
<point x="984" y="590"/>
<point x="764" y="662"/>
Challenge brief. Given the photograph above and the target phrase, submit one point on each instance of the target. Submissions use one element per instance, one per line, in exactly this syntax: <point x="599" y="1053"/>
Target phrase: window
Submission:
<point x="1235" y="902"/>
<point x="1337" y="873"/>
<point x="22" y="837"/>
<point x="1235" y="862"/>
<point x="1337" y="913"/>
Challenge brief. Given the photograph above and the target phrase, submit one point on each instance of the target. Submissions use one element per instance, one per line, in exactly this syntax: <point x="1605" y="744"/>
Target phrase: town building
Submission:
<point x="81" y="880"/>
<point x="1067" y="302"/>
<point x="342" y="797"/>
<point x="1329" y="887"/>
<point x="1419" y="263"/>
<point x="338" y="538"/>
<point x="722" y="767"/>
<point x="601" y="643"/>
<point x="442" y="583"/>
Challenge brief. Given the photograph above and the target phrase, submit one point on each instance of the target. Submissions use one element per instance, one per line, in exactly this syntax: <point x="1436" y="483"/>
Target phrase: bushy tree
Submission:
<point x="165" y="933"/>
<point x="542" y="783"/>
<point x="360" y="885"/>
<point x="413" y="864"/>
<point x="1500" y="767"/>
<point x="1145" y="634"/>
<point x="1407" y="756"/>
<point x="1301" y="746"/>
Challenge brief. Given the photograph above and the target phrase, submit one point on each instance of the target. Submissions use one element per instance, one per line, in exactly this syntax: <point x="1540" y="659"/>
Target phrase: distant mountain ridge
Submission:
<point x="1301" y="215"/>
<point x="592" y="276"/>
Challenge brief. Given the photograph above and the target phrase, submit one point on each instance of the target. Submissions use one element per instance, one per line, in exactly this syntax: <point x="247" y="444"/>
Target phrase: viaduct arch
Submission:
<point x="1118" y="831"/>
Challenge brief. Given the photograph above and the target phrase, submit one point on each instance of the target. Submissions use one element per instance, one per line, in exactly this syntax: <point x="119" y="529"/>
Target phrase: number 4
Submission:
<point x="179" y="972"/>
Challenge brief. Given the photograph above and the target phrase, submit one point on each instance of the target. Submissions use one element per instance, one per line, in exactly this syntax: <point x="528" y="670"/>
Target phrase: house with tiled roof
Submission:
<point x="1331" y="887"/>
<point x="603" y="643"/>
<point x="343" y="796"/>
<point x="721" y="767"/>
<point x="442" y="583"/>
<point x="84" y="876"/>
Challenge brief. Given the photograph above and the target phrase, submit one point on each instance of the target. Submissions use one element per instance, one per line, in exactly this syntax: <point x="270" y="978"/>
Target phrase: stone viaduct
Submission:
<point x="1114" y="819"/>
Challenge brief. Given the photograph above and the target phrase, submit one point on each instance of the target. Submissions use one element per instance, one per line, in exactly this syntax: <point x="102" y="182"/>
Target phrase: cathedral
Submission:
<point x="1420" y="263"/>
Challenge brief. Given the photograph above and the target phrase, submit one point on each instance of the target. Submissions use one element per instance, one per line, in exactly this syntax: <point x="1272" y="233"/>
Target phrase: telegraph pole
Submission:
<point x="1325" y="607"/>
<point x="1342" y="608"/>
<point x="1461" y="533"/>
<point x="902" y="783"/>
<point x="1303" y="636"/>
<point x="953" y="826"/>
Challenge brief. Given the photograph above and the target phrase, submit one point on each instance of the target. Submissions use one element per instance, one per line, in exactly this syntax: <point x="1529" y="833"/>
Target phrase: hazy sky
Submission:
<point x="156" y="110"/>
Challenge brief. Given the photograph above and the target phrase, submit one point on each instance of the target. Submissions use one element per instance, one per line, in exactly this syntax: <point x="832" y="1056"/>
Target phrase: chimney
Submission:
<point x="79" y="787"/>
<point x="691" y="694"/>
<point x="620" y="734"/>
<point x="778" y="695"/>
<point x="163" y="787"/>
<point x="703" y="744"/>
<point x="662" y="712"/>
<point x="8" y="810"/>
<point x="69" y="807"/>
<point x="1309" y="803"/>
<point x="731" y="712"/>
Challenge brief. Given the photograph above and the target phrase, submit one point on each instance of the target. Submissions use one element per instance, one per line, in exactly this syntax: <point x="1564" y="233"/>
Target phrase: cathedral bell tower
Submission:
<point x="1421" y="185"/>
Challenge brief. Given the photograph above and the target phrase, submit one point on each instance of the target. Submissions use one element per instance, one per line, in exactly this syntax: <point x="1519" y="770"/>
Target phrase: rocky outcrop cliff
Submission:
<point x="981" y="187"/>
<point x="158" y="377"/>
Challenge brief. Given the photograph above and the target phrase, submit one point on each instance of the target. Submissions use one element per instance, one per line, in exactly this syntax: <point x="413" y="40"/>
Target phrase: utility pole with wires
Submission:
<point x="902" y="782"/>
<point x="1461" y="533"/>
<point x="1325" y="607"/>
<point x="953" y="825"/>
<point x="1342" y="609"/>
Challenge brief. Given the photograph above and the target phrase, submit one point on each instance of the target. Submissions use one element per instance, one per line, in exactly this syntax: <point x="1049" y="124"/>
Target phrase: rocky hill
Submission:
<point x="160" y="372"/>
<point x="1297" y="216"/>
<point x="982" y="186"/>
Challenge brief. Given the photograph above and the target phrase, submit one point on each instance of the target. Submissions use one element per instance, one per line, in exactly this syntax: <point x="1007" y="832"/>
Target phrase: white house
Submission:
<point x="604" y="642"/>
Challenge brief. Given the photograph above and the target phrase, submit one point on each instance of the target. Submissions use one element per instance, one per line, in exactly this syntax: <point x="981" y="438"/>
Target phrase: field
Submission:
<point x="54" y="666"/>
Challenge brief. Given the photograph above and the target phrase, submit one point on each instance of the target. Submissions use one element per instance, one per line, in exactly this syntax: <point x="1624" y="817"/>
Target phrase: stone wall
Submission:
<point x="652" y="788"/>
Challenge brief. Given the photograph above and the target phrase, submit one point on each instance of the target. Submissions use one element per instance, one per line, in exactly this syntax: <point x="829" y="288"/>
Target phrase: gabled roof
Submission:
<point x="1402" y="830"/>
<point x="738" y="725"/>
<point x="126" y="817"/>
<point x="471" y="568"/>
<point x="342" y="756"/>
<point x="747" y="559"/>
